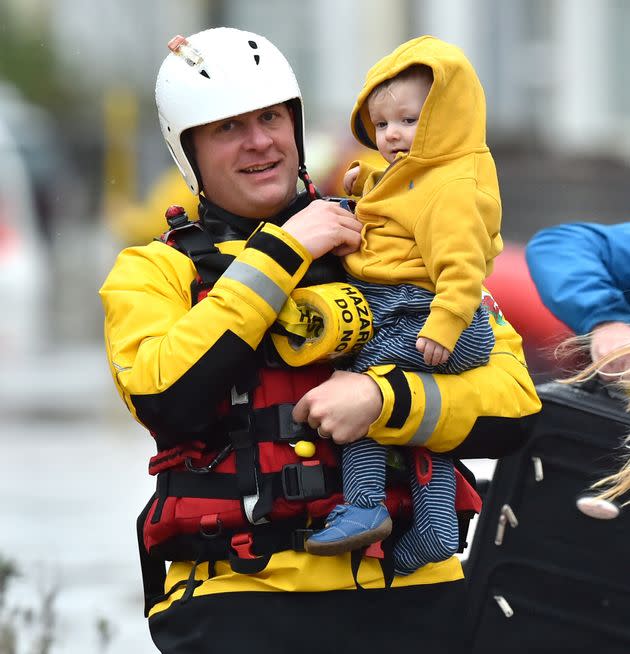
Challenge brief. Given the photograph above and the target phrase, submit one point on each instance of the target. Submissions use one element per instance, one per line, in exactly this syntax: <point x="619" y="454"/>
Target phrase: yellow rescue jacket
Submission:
<point x="169" y="360"/>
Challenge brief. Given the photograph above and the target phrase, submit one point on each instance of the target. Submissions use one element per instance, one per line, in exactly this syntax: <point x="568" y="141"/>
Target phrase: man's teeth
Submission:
<point x="257" y="169"/>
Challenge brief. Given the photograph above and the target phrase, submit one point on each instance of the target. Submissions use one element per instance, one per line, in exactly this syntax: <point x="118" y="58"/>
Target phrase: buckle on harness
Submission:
<point x="176" y="217"/>
<point x="242" y="558"/>
<point x="288" y="429"/>
<point x="210" y="526"/>
<point x="242" y="545"/>
<point x="304" y="481"/>
<point x="298" y="537"/>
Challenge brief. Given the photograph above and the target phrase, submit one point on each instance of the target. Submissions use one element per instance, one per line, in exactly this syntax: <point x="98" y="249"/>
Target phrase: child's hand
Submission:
<point x="349" y="179"/>
<point x="434" y="353"/>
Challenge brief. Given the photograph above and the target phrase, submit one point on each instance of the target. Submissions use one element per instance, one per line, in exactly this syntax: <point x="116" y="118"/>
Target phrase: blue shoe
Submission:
<point x="349" y="528"/>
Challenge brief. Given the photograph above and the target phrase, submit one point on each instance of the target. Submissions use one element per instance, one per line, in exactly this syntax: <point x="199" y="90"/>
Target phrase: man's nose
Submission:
<point x="257" y="137"/>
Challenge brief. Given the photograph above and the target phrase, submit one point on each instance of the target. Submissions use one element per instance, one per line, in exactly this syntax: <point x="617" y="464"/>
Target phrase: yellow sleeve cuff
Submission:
<point x="366" y="171"/>
<point x="410" y="410"/>
<point x="443" y="327"/>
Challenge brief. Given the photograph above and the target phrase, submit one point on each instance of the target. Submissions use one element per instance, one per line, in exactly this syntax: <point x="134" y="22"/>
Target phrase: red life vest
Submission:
<point x="253" y="495"/>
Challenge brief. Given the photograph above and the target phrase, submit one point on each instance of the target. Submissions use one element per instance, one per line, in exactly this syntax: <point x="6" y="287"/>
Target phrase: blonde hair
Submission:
<point x="417" y="71"/>
<point x="617" y="484"/>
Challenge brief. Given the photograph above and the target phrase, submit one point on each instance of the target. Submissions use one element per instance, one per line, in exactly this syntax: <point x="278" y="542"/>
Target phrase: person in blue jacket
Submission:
<point x="582" y="273"/>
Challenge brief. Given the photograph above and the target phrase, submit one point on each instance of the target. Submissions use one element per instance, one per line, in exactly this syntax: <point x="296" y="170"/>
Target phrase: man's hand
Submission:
<point x="606" y="338"/>
<point x="349" y="178"/>
<point x="434" y="353"/>
<point x="342" y="408"/>
<point x="325" y="227"/>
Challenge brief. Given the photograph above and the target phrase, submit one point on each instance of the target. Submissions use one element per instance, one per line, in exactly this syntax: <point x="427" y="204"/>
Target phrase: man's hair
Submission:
<point x="417" y="71"/>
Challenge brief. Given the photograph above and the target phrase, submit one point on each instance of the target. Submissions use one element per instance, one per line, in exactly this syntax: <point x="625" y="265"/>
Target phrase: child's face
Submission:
<point x="394" y="112"/>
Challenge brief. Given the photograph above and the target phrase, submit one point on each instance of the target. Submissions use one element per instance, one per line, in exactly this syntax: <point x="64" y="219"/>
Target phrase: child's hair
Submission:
<point x="617" y="484"/>
<point x="417" y="71"/>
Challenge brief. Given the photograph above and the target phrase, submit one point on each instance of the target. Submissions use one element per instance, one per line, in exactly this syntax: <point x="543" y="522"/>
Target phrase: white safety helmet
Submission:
<point x="216" y="74"/>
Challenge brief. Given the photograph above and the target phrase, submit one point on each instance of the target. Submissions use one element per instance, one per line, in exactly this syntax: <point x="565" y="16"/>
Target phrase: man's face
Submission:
<point x="249" y="163"/>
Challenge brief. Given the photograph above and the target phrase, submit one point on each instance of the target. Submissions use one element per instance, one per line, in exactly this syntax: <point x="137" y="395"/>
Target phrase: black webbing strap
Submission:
<point x="464" y="517"/>
<point x="386" y="563"/>
<point x="197" y="244"/>
<point x="268" y="424"/>
<point x="248" y="477"/>
<point x="153" y="570"/>
<point x="218" y="546"/>
<point x="266" y="540"/>
<point x="275" y="423"/>
<point x="296" y="481"/>
<point x="191" y="584"/>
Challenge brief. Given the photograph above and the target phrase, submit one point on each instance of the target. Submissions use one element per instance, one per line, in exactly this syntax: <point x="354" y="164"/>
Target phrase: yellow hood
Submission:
<point x="453" y="118"/>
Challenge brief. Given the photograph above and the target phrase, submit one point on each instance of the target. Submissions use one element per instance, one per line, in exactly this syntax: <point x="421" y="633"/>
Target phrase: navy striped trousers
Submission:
<point x="399" y="313"/>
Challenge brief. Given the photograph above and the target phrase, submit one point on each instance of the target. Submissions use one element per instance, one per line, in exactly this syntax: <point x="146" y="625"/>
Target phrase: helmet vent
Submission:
<point x="254" y="46"/>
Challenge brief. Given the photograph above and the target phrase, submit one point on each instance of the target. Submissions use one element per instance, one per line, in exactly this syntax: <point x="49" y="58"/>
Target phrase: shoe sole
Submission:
<point x="352" y="542"/>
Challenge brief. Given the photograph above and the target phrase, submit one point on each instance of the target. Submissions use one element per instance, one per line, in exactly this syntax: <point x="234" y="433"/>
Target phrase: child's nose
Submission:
<point x="393" y="132"/>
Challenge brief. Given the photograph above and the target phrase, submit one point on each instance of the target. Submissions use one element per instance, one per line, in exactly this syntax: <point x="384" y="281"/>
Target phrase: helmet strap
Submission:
<point x="313" y="193"/>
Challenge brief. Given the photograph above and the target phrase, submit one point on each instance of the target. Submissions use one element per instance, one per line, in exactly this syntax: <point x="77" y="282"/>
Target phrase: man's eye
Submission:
<point x="268" y="116"/>
<point x="227" y="126"/>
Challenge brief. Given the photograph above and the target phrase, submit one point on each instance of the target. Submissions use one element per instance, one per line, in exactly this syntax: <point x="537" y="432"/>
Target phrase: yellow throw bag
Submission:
<point x="322" y="323"/>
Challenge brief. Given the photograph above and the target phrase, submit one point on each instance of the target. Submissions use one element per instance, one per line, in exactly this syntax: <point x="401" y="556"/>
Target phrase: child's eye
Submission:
<point x="380" y="124"/>
<point x="410" y="120"/>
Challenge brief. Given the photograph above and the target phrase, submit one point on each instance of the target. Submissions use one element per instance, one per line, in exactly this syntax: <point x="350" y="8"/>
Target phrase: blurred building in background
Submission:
<point x="553" y="71"/>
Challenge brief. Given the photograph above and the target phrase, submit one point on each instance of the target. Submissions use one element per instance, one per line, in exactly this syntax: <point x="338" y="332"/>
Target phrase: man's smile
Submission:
<point x="259" y="168"/>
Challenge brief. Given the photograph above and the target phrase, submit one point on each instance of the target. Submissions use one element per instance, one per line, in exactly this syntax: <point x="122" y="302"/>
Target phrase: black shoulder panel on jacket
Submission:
<point x="187" y="410"/>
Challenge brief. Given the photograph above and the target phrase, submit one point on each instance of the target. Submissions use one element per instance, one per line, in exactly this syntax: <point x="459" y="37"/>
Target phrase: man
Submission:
<point x="186" y="327"/>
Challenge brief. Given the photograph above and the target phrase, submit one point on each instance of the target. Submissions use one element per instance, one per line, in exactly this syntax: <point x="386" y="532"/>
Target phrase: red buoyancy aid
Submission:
<point x="199" y="507"/>
<point x="198" y="512"/>
<point x="253" y="495"/>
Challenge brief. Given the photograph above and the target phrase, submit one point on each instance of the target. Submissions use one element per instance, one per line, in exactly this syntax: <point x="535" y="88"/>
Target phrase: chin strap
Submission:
<point x="308" y="183"/>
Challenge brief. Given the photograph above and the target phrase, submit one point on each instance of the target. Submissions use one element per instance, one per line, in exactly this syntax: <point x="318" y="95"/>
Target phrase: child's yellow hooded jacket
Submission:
<point x="432" y="218"/>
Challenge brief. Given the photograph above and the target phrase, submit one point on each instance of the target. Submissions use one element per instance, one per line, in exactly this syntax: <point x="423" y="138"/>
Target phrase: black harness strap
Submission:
<point x="265" y="541"/>
<point x="191" y="239"/>
<point x="244" y="445"/>
<point x="386" y="562"/>
<point x="153" y="570"/>
<point x="304" y="481"/>
<point x="268" y="424"/>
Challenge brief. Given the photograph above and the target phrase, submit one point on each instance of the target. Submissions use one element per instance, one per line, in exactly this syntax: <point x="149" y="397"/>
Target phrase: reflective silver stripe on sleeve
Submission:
<point x="253" y="278"/>
<point x="432" y="409"/>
